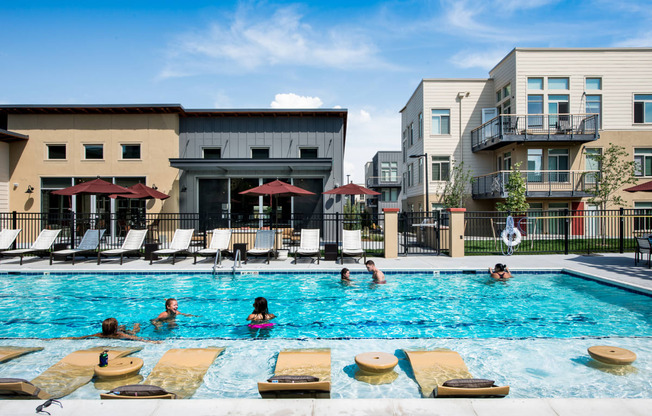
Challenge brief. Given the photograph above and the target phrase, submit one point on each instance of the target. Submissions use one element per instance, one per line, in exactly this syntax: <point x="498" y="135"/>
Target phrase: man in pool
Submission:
<point x="500" y="272"/>
<point x="377" y="275"/>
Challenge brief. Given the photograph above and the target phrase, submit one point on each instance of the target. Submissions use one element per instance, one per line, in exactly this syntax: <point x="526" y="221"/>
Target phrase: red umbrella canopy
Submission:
<point x="644" y="187"/>
<point x="278" y="188"/>
<point x="94" y="187"/>
<point x="141" y="191"/>
<point x="352" y="189"/>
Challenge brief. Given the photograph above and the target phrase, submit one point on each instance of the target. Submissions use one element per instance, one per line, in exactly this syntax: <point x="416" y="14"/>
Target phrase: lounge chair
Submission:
<point x="89" y="244"/>
<point x="309" y="246"/>
<point x="132" y="244"/>
<point x="299" y="374"/>
<point x="73" y="371"/>
<point x="9" y="352"/>
<point x="41" y="246"/>
<point x="219" y="243"/>
<point x="264" y="244"/>
<point x="179" y="245"/>
<point x="7" y="238"/>
<point x="352" y="245"/>
<point x="642" y="247"/>
<point x="442" y="373"/>
<point x="177" y="375"/>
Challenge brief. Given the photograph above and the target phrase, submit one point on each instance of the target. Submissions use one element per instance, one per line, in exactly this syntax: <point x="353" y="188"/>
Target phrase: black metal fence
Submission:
<point x="422" y="232"/>
<point x="562" y="232"/>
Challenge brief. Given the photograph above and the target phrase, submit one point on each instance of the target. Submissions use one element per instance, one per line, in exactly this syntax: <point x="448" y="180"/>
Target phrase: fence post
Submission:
<point x="621" y="231"/>
<point x="337" y="229"/>
<point x="391" y="232"/>
<point x="456" y="232"/>
<point x="566" y="230"/>
<point x="14" y="225"/>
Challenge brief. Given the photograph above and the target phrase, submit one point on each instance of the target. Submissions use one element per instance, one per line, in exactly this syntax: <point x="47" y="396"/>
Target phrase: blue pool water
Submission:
<point x="318" y="305"/>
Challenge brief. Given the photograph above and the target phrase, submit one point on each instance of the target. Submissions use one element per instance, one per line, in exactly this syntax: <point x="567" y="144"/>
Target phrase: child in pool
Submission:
<point x="500" y="272"/>
<point x="260" y="316"/>
<point x="171" y="312"/>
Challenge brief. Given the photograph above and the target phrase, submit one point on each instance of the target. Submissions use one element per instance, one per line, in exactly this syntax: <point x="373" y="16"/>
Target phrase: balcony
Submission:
<point x="383" y="182"/>
<point x="538" y="184"/>
<point x="534" y="128"/>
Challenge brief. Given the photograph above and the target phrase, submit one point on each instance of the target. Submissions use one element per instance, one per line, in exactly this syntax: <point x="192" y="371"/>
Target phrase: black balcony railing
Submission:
<point x="542" y="183"/>
<point x="383" y="181"/>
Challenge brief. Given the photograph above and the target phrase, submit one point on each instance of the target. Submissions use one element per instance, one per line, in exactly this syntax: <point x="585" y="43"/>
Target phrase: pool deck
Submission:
<point x="618" y="269"/>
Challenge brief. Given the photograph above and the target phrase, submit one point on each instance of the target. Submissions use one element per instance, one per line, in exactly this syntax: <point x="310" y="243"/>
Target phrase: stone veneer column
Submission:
<point x="456" y="232"/>
<point x="391" y="232"/>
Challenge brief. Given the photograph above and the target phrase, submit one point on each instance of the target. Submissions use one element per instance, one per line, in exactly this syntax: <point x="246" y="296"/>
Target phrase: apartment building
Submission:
<point x="548" y="109"/>
<point x="382" y="175"/>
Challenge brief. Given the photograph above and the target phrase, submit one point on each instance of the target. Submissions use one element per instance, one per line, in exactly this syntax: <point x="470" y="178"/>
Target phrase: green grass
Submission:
<point x="590" y="245"/>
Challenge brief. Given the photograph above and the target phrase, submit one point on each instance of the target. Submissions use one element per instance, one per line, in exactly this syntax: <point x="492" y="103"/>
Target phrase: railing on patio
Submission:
<point x="562" y="232"/>
<point x="538" y="183"/>
<point x="422" y="232"/>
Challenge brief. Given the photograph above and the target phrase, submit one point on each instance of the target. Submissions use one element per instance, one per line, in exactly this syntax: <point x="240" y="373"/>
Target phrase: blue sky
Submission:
<point x="366" y="56"/>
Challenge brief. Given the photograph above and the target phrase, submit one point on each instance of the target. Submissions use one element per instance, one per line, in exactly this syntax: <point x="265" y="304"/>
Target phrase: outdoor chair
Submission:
<point x="264" y="244"/>
<point x="132" y="244"/>
<point x="352" y="245"/>
<point x="219" y="243"/>
<point x="89" y="244"/>
<point x="179" y="245"/>
<point x="41" y="246"/>
<point x="642" y="247"/>
<point x="7" y="238"/>
<point x="309" y="245"/>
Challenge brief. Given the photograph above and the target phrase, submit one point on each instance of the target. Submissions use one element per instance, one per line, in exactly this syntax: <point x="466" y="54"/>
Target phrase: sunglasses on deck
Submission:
<point x="47" y="403"/>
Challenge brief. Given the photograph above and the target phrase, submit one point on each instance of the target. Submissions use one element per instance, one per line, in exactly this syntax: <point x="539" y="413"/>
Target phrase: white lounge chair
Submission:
<point x="179" y="245"/>
<point x="219" y="242"/>
<point x="264" y="244"/>
<point x="42" y="245"/>
<point x="7" y="238"/>
<point x="89" y="244"/>
<point x="352" y="245"/>
<point x="309" y="245"/>
<point x="132" y="244"/>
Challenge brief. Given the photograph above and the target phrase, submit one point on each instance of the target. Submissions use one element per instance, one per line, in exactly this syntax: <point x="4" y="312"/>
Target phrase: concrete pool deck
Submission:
<point x="616" y="268"/>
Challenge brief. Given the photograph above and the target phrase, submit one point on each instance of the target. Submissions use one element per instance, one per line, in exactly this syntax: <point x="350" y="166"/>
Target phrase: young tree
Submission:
<point x="455" y="192"/>
<point x="516" y="200"/>
<point x="615" y="171"/>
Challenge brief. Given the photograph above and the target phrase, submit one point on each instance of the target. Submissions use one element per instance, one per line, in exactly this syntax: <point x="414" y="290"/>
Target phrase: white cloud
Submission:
<point x="292" y="100"/>
<point x="644" y="39"/>
<point x="514" y="5"/>
<point x="483" y="60"/>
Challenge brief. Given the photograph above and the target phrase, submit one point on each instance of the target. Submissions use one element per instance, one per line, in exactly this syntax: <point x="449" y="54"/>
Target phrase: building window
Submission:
<point x="507" y="91"/>
<point x="498" y="97"/>
<point x="535" y="83"/>
<point x="440" y="168"/>
<point x="440" y="122"/>
<point x="535" y="107"/>
<point x="557" y="83"/>
<point x="93" y="151"/>
<point x="212" y="153"/>
<point x="592" y="164"/>
<point x="420" y="170"/>
<point x="56" y="151"/>
<point x="389" y="195"/>
<point x="404" y="151"/>
<point x="409" y="174"/>
<point x="507" y="161"/>
<point x="260" y="153"/>
<point x="420" y="125"/>
<point x="643" y="108"/>
<point x="507" y="107"/>
<point x="389" y="171"/>
<point x="643" y="161"/>
<point x="131" y="151"/>
<point x="411" y="133"/>
<point x="594" y="106"/>
<point x="308" y="153"/>
<point x="593" y="84"/>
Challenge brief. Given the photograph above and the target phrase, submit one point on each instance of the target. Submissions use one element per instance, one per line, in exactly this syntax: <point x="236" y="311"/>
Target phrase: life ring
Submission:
<point x="516" y="237"/>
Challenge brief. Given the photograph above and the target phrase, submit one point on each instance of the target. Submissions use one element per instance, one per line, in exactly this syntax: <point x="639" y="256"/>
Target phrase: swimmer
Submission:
<point x="345" y="274"/>
<point x="171" y="312"/>
<point x="378" y="276"/>
<point x="111" y="329"/>
<point x="500" y="272"/>
<point x="260" y="312"/>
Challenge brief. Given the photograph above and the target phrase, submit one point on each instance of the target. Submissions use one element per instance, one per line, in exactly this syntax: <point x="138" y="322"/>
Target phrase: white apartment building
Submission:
<point x="548" y="109"/>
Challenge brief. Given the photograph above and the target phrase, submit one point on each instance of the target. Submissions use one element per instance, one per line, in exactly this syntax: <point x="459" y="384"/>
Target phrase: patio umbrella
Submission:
<point x="644" y="187"/>
<point x="141" y="191"/>
<point x="351" y="189"/>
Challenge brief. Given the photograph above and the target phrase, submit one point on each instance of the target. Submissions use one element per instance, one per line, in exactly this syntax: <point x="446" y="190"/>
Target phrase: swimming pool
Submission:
<point x="531" y="332"/>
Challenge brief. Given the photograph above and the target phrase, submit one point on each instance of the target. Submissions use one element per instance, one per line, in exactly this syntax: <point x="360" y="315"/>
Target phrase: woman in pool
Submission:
<point x="260" y="316"/>
<point x="500" y="272"/>
<point x="111" y="329"/>
<point x="171" y="312"/>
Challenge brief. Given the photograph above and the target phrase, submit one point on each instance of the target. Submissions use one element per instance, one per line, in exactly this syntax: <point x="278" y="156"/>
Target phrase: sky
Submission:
<point x="365" y="56"/>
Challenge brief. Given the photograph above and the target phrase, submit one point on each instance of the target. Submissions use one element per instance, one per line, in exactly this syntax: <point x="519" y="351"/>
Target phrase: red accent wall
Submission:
<point x="577" y="224"/>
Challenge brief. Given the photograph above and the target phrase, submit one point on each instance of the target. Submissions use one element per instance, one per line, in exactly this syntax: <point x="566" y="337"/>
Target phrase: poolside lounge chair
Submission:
<point x="179" y="245"/>
<point x="352" y="245"/>
<point x="299" y="374"/>
<point x="642" y="247"/>
<point x="7" y="238"/>
<point x="9" y="352"/>
<point x="73" y="371"/>
<point x="219" y="243"/>
<point x="41" y="246"/>
<point x="309" y="246"/>
<point x="132" y="244"/>
<point x="177" y="375"/>
<point x="442" y="373"/>
<point x="89" y="244"/>
<point x="264" y="244"/>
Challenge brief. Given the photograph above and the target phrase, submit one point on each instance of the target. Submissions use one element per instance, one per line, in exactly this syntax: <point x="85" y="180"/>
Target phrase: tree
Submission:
<point x="516" y="200"/>
<point x="615" y="171"/>
<point x="455" y="192"/>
